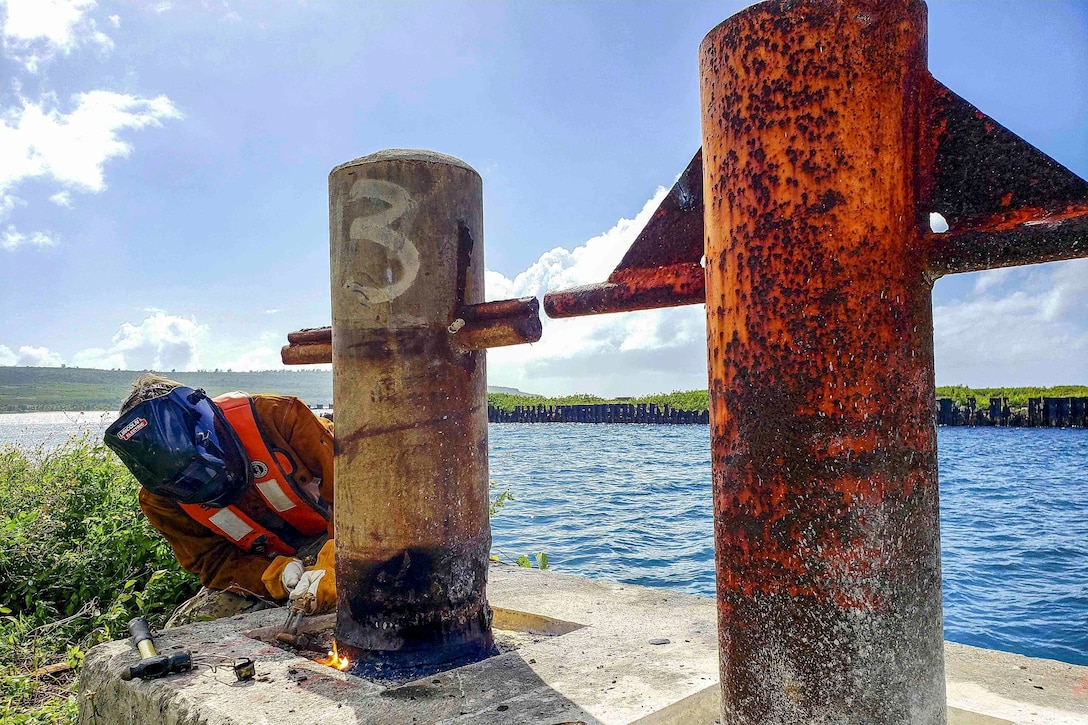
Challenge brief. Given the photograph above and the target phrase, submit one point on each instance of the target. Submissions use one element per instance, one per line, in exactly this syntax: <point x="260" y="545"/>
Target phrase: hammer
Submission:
<point x="152" y="664"/>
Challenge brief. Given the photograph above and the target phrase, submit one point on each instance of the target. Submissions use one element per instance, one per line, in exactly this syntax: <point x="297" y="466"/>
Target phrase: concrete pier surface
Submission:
<point x="591" y="652"/>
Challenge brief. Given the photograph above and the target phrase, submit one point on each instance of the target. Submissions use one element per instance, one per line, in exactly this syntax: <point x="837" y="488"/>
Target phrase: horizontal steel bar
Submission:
<point x="306" y="353"/>
<point x="635" y="289"/>
<point x="1011" y="241"/>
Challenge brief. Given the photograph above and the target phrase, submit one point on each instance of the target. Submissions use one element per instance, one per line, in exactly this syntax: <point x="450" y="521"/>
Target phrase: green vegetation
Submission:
<point x="698" y="399"/>
<point x="79" y="560"/>
<point x="680" y="400"/>
<point x="1018" y="397"/>
<point x="26" y="389"/>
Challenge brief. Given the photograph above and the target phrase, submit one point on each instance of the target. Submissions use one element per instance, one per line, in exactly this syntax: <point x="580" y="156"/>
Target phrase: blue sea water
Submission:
<point x="632" y="503"/>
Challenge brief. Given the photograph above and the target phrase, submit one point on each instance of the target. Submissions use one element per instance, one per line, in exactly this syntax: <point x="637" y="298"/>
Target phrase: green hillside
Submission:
<point x="26" y="388"/>
<point x="31" y="389"/>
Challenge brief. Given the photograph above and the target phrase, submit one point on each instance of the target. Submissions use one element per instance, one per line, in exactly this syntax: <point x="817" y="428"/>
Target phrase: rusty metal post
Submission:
<point x="412" y="529"/>
<point x="820" y="338"/>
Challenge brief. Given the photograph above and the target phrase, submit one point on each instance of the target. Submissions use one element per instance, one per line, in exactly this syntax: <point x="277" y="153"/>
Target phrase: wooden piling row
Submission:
<point x="1068" y="412"/>
<point x="647" y="413"/>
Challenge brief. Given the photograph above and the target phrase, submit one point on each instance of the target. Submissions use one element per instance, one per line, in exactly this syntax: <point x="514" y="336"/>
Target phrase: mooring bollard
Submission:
<point x="412" y="530"/>
<point x="821" y="366"/>
<point x="826" y="146"/>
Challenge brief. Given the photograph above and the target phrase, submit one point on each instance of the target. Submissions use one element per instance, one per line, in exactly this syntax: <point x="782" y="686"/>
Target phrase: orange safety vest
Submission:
<point x="273" y="477"/>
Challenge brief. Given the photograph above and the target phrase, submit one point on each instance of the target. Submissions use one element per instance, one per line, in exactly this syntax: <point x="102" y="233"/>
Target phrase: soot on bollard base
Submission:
<point x="419" y="612"/>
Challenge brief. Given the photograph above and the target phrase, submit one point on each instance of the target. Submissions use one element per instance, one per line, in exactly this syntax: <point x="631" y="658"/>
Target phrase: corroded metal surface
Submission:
<point x="821" y="366"/>
<point x="472" y="327"/>
<point x="982" y="172"/>
<point x="1006" y="202"/>
<point x="662" y="267"/>
<point x="411" y="520"/>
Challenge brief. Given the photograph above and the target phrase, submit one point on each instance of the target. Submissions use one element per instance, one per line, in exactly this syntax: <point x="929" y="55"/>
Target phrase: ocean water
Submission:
<point x="632" y="504"/>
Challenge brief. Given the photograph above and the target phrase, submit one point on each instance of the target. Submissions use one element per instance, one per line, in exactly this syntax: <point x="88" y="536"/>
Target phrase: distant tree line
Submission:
<point x="31" y="389"/>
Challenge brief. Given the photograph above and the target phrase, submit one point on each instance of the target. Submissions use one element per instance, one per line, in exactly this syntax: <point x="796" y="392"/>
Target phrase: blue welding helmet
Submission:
<point x="180" y="446"/>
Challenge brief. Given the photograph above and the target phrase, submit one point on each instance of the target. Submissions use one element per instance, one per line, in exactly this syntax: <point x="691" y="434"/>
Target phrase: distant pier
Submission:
<point x="1038" y="413"/>
<point x="1069" y="412"/>
<point x="646" y="413"/>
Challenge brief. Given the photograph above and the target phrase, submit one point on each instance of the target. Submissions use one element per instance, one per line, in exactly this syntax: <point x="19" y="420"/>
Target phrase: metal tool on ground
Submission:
<point x="152" y="664"/>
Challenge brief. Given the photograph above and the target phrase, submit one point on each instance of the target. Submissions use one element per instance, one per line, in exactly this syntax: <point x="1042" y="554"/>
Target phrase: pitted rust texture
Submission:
<point x="1042" y="237"/>
<point x="628" y="290"/>
<point x="983" y="173"/>
<point x="1006" y="202"/>
<point x="674" y="235"/>
<point x="821" y="370"/>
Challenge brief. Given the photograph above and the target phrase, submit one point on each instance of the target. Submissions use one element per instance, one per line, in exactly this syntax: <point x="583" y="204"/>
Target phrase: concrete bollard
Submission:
<point x="412" y="530"/>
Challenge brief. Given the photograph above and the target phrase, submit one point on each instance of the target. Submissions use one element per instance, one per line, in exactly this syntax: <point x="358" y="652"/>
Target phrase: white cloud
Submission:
<point x="62" y="198"/>
<point x="115" y="21"/>
<point x="260" y="354"/>
<point x="39" y="357"/>
<point x="620" y="354"/>
<point x="38" y="140"/>
<point x="11" y="239"/>
<point x="159" y="342"/>
<point x="1027" y="326"/>
<point x="163" y="6"/>
<point x="35" y="31"/>
<point x="7" y="357"/>
<point x="1035" y="333"/>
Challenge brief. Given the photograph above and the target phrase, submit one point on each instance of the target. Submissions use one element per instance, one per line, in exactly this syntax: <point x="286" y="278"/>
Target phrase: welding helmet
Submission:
<point x="180" y="446"/>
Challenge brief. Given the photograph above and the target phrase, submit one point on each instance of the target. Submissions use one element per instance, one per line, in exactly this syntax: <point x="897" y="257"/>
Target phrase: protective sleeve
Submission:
<point x="218" y="562"/>
<point x="310" y="437"/>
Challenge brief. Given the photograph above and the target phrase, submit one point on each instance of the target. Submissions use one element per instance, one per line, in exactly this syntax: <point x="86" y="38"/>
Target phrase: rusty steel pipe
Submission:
<point x="310" y="335"/>
<point x="644" y="289"/>
<point x="1048" y="237"/>
<point x="477" y="327"/>
<point x="411" y="520"/>
<point x="820" y="344"/>
<point x="308" y="353"/>
<point x="475" y="335"/>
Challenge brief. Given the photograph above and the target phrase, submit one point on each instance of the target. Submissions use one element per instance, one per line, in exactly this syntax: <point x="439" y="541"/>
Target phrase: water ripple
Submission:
<point x="632" y="504"/>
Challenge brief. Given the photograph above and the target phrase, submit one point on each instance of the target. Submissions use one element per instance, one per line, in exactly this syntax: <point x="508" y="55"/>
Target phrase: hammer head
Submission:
<point x="150" y="668"/>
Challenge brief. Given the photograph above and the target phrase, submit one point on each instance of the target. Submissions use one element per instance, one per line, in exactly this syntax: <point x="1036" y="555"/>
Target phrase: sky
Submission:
<point x="163" y="172"/>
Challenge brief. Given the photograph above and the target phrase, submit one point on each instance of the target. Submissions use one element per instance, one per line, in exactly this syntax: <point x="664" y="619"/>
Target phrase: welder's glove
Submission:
<point x="282" y="575"/>
<point x="317" y="586"/>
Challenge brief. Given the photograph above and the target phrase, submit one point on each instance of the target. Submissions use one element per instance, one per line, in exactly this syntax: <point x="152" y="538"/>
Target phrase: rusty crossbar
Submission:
<point x="803" y="224"/>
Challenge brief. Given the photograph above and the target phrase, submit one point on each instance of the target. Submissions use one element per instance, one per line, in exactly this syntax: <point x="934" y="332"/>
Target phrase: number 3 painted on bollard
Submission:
<point x="376" y="228"/>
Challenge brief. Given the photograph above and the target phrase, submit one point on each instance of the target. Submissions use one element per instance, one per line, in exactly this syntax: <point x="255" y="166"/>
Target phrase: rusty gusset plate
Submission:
<point x="1006" y="202"/>
<point x="661" y="269"/>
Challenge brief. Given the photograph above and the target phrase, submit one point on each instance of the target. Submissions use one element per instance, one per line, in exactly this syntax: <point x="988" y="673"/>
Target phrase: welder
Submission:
<point x="241" y="487"/>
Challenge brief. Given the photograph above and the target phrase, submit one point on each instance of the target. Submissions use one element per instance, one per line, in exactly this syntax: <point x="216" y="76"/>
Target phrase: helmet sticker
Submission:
<point x="132" y="428"/>
<point x="260" y="469"/>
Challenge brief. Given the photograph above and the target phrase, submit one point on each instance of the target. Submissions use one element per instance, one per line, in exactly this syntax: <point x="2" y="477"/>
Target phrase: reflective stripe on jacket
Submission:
<point x="273" y="480"/>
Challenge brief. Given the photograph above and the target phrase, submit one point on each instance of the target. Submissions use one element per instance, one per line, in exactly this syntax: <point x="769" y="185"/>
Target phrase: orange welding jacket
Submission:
<point x="286" y="424"/>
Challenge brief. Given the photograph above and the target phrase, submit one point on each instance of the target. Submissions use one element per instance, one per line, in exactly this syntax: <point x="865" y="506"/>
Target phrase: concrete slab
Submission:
<point x="619" y="654"/>
<point x="614" y="654"/>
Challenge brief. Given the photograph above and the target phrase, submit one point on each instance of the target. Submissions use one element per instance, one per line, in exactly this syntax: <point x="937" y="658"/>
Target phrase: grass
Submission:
<point x="1018" y="397"/>
<point x="79" y="560"/>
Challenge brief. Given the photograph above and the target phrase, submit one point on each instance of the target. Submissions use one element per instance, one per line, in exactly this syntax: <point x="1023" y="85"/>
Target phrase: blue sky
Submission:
<point x="163" y="171"/>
